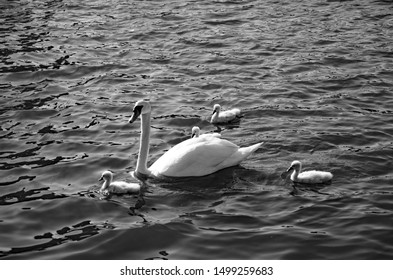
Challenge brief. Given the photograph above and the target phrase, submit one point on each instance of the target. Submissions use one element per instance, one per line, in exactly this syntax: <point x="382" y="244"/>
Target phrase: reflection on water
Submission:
<point x="314" y="82"/>
<point x="23" y="196"/>
<point x="76" y="233"/>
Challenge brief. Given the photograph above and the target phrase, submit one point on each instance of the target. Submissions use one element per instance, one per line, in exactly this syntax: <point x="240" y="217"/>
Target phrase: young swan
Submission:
<point x="117" y="187"/>
<point x="224" y="116"/>
<point x="307" y="177"/>
<point x="196" y="132"/>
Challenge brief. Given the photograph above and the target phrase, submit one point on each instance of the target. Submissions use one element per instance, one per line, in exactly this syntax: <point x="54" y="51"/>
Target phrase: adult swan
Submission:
<point x="193" y="157"/>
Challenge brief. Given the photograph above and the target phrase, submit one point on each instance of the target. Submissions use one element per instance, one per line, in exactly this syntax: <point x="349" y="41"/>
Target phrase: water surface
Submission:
<point x="313" y="78"/>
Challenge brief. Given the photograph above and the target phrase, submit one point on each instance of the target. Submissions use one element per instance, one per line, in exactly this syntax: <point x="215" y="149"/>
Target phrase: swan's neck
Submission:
<point x="105" y="185"/>
<point x="295" y="174"/>
<point x="141" y="165"/>
<point x="214" y="117"/>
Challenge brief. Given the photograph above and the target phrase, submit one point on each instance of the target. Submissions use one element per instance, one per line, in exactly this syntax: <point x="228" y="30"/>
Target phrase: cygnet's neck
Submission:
<point x="215" y="116"/>
<point x="106" y="184"/>
<point x="295" y="173"/>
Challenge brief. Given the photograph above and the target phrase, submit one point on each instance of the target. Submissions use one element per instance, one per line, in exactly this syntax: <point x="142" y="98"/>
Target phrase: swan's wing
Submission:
<point x="313" y="176"/>
<point x="124" y="187"/>
<point x="232" y="112"/>
<point x="226" y="116"/>
<point x="187" y="142"/>
<point x="194" y="141"/>
<point x="236" y="112"/>
<point x="194" y="158"/>
<point x="207" y="135"/>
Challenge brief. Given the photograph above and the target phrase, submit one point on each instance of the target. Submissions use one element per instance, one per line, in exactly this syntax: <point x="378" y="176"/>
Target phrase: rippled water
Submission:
<point x="314" y="79"/>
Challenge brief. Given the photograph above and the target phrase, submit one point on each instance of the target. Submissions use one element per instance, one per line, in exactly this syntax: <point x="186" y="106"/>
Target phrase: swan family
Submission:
<point x="200" y="155"/>
<point x="194" y="157"/>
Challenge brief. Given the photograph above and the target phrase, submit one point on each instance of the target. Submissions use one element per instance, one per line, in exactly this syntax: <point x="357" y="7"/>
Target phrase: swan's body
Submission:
<point x="308" y="177"/>
<point x="224" y="116"/>
<point x="118" y="187"/>
<point x="193" y="157"/>
<point x="196" y="132"/>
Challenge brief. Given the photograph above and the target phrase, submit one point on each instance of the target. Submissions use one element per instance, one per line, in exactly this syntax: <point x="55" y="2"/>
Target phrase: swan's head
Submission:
<point x="295" y="165"/>
<point x="141" y="107"/>
<point x="195" y="131"/>
<point x="216" y="108"/>
<point x="106" y="176"/>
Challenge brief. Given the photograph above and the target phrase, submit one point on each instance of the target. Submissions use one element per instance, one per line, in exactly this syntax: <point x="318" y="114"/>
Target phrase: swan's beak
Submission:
<point x="215" y="111"/>
<point x="133" y="118"/>
<point x="136" y="113"/>
<point x="285" y="173"/>
<point x="193" y="135"/>
<point x="101" y="179"/>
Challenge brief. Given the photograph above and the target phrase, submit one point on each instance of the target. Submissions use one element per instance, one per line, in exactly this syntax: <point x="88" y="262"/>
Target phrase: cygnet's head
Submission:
<point x="106" y="176"/>
<point x="195" y="131"/>
<point x="216" y="108"/>
<point x="295" y="165"/>
<point x="141" y="107"/>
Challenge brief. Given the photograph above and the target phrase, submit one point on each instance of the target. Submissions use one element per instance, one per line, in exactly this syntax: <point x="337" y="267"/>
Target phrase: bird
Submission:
<point x="219" y="116"/>
<point x="194" y="157"/>
<point x="117" y="187"/>
<point x="307" y="177"/>
<point x="196" y="132"/>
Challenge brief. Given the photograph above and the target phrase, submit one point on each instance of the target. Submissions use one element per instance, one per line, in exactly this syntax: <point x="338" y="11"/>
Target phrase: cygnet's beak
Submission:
<point x="214" y="111"/>
<point x="101" y="179"/>
<point x="135" y="114"/>
<point x="285" y="173"/>
<point x="192" y="135"/>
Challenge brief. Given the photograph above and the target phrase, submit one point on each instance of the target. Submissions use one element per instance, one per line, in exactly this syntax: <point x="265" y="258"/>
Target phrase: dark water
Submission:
<point x="314" y="79"/>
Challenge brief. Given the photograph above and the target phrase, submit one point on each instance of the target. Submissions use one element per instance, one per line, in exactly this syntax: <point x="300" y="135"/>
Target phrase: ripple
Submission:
<point x="313" y="80"/>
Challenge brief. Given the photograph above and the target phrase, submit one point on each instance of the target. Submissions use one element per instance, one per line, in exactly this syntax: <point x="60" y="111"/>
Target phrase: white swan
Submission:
<point x="118" y="187"/>
<point x="196" y="132"/>
<point x="193" y="157"/>
<point x="224" y="116"/>
<point x="307" y="177"/>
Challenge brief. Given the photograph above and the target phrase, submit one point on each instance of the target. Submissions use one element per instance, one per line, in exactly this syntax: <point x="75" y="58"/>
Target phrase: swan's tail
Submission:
<point x="246" y="151"/>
